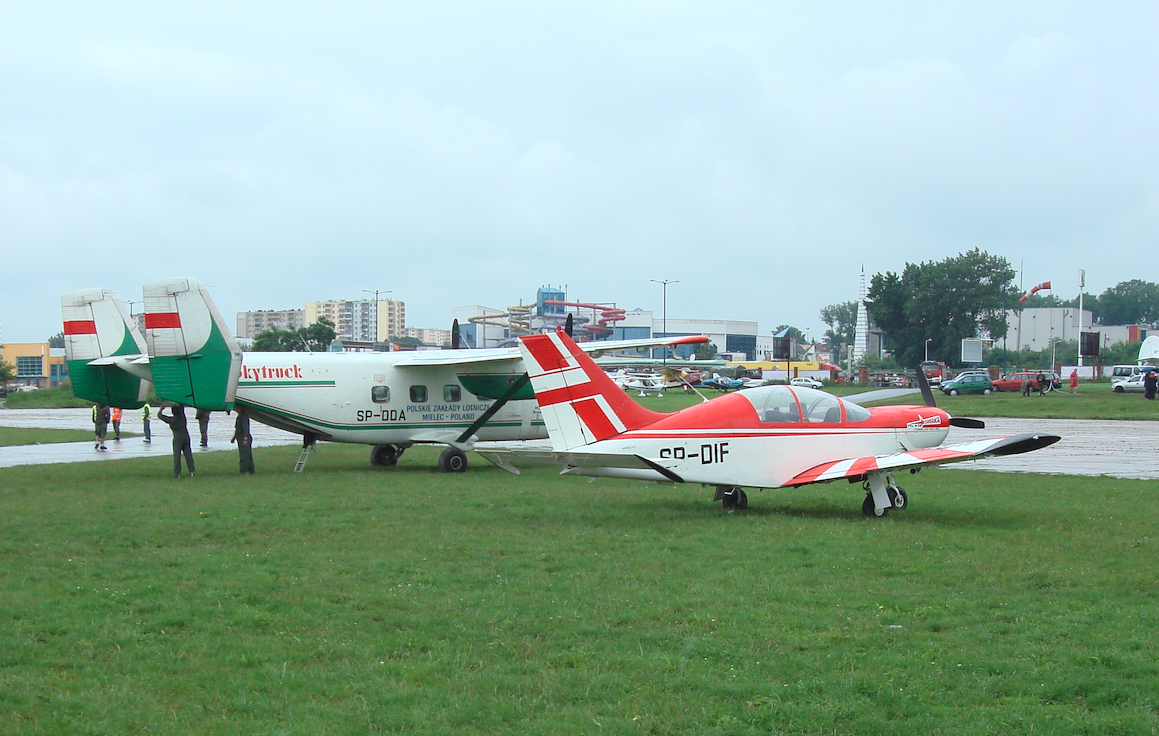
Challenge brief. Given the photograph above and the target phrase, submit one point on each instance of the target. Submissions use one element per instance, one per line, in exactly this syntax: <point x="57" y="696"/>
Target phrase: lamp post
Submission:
<point x="664" y="292"/>
<point x="374" y="337"/>
<point x="928" y="347"/>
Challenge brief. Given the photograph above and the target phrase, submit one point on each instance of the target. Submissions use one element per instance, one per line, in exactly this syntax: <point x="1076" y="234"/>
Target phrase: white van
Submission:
<point x="1123" y="372"/>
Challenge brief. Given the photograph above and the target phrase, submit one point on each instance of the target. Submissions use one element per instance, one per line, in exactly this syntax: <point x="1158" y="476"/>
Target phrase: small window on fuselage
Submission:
<point x="452" y="393"/>
<point x="380" y="394"/>
<point x="418" y="394"/>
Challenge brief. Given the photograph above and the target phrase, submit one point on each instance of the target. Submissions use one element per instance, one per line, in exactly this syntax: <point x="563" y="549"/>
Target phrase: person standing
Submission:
<point x="179" y="427"/>
<point x="1074" y="381"/>
<point x="116" y="416"/>
<point x="244" y="440"/>
<point x="100" y="425"/>
<point x="1041" y="380"/>
<point x="146" y="416"/>
<point x="1149" y="383"/>
<point x="203" y="423"/>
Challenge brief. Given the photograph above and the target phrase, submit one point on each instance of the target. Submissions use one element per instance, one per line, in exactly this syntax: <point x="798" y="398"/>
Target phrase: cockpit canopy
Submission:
<point x="796" y="404"/>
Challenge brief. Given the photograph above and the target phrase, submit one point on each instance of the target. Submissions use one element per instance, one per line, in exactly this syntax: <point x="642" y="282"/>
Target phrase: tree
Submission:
<point x="56" y="341"/>
<point x="315" y="338"/>
<point x="944" y="302"/>
<point x="7" y="372"/>
<point x="1130" y="302"/>
<point x="842" y="321"/>
<point x="705" y="351"/>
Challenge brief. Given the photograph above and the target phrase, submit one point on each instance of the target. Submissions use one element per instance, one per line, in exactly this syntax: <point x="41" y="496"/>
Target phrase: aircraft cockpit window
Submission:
<point x="855" y="412"/>
<point x="418" y="394"/>
<point x="774" y="404"/>
<point x="819" y="406"/>
<point x="380" y="394"/>
<point x="452" y="393"/>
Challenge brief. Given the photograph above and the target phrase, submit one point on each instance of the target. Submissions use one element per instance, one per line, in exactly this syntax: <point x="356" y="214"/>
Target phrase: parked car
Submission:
<point x="806" y="382"/>
<point x="1013" y="381"/>
<point x="1131" y="384"/>
<point x="968" y="383"/>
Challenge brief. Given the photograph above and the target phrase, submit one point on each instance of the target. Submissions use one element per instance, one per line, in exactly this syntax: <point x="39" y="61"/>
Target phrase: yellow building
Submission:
<point x="35" y="364"/>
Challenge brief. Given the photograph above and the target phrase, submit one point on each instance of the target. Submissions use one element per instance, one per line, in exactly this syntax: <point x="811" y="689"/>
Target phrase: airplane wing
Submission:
<point x="492" y="355"/>
<point x="856" y="467"/>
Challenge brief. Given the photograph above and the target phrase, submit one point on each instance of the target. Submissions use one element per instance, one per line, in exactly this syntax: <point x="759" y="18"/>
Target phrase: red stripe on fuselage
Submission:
<point x="80" y="327"/>
<point x="162" y="320"/>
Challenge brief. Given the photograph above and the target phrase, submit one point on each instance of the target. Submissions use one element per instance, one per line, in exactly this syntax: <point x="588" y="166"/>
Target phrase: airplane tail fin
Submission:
<point x="580" y="403"/>
<point x="104" y="349"/>
<point x="194" y="359"/>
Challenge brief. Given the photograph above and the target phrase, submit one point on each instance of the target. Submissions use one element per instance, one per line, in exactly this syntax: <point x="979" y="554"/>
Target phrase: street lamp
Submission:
<point x="928" y="347"/>
<point x="664" y="285"/>
<point x="374" y="337"/>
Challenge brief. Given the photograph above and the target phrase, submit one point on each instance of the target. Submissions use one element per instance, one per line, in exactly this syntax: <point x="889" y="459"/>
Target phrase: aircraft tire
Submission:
<point x="384" y="456"/>
<point x="453" y="460"/>
<point x="734" y="498"/>
<point x="898" y="498"/>
<point x="868" y="508"/>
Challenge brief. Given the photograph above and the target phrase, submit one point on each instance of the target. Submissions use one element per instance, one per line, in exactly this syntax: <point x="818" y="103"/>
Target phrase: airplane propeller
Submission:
<point x="455" y="335"/>
<point x="568" y="326"/>
<point x="928" y="397"/>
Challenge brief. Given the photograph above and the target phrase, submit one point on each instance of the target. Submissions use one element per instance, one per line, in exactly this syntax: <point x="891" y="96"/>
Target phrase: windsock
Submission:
<point x="1043" y="285"/>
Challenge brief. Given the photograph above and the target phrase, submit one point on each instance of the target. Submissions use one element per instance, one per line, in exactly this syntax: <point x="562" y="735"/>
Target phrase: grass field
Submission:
<point x="356" y="600"/>
<point x="11" y="436"/>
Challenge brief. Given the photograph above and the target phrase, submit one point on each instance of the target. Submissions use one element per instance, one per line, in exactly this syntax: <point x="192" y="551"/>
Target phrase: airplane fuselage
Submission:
<point x="365" y="398"/>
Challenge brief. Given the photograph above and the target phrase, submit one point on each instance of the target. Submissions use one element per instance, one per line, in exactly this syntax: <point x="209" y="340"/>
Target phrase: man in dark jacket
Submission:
<point x="177" y="424"/>
<point x="203" y="423"/>
<point x="245" y="442"/>
<point x="100" y="425"/>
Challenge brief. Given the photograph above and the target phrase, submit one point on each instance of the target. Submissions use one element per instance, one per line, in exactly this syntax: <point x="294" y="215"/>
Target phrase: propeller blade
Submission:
<point x="568" y="325"/>
<point x="924" y="385"/>
<point x="455" y="335"/>
<point x="966" y="423"/>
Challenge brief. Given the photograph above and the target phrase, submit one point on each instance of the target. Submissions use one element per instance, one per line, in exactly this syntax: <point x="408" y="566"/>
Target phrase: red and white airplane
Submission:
<point x="766" y="437"/>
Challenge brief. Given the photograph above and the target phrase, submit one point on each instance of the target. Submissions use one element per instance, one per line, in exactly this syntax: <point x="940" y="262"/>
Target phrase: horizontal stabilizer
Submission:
<point x="857" y="467"/>
<point x="620" y="465"/>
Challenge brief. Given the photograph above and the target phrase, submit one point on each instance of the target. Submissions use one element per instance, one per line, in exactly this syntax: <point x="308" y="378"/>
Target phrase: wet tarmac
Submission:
<point x="1120" y="449"/>
<point x="220" y="431"/>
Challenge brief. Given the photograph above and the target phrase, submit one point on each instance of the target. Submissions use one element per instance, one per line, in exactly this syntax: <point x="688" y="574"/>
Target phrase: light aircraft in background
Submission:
<point x="390" y="401"/>
<point x="767" y="437"/>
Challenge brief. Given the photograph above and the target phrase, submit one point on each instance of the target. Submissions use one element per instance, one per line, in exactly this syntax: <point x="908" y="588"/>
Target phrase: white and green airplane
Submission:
<point x="388" y="400"/>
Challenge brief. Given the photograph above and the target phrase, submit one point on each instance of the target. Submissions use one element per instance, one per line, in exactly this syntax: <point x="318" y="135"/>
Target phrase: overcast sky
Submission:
<point x="468" y="153"/>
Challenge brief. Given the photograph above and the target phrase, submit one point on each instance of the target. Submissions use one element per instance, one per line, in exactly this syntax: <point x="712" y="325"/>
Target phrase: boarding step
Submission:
<point x="301" y="464"/>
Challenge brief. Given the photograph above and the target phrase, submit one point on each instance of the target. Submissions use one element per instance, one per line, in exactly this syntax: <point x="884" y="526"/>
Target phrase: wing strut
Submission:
<point x="485" y="417"/>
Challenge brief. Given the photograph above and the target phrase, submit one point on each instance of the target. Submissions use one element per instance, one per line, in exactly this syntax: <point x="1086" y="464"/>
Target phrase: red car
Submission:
<point x="1013" y="381"/>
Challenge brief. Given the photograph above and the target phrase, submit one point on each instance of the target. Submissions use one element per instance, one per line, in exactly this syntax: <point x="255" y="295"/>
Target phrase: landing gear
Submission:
<point x="881" y="495"/>
<point x="731" y="498"/>
<point x="453" y="460"/>
<point x="385" y="456"/>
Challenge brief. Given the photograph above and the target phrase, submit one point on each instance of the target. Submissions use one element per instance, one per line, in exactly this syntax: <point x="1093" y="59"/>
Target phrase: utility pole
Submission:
<point x="664" y="292"/>
<point x="374" y="337"/>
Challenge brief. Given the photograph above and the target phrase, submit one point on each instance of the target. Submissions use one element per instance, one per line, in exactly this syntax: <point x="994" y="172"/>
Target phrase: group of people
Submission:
<point x="182" y="444"/>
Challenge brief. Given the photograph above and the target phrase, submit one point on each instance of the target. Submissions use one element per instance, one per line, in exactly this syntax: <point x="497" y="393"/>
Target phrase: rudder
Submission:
<point x="104" y="349"/>
<point x="580" y="403"/>
<point x="194" y="359"/>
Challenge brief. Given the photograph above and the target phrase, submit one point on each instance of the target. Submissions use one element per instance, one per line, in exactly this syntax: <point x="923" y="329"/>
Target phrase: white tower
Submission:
<point x="861" y="336"/>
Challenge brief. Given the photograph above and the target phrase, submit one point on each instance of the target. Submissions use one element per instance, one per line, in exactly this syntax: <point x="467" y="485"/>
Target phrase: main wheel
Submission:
<point x="870" y="509"/>
<point x="384" y="455"/>
<point x="898" y="498"/>
<point x="453" y="460"/>
<point x="734" y="498"/>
